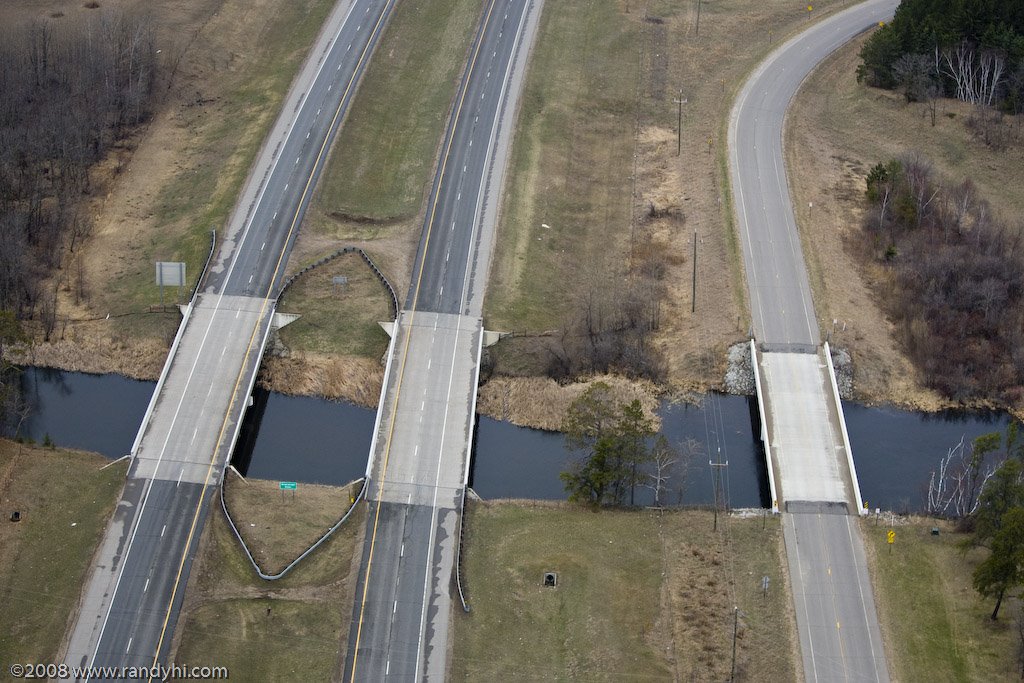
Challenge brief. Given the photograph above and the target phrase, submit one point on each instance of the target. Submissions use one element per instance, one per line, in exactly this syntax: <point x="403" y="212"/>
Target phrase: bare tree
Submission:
<point x="954" y="489"/>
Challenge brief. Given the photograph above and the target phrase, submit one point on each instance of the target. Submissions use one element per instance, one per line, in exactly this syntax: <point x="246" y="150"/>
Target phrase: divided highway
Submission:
<point x="422" y="441"/>
<point x="128" y="611"/>
<point x="836" y="620"/>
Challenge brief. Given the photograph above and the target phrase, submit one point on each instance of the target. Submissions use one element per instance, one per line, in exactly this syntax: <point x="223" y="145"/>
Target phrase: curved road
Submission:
<point x="780" y="296"/>
<point x="838" y="627"/>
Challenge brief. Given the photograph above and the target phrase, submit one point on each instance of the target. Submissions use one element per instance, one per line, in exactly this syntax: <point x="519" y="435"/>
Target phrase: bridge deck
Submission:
<point x="418" y="472"/>
<point x="804" y="430"/>
<point x="134" y="590"/>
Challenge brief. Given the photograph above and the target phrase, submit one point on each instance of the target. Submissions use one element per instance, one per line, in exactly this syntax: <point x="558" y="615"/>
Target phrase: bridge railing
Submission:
<point x="842" y="428"/>
<point x="764" y="427"/>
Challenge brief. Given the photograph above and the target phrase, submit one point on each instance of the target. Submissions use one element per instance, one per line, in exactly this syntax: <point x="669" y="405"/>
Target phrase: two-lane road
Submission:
<point x="419" y="466"/>
<point x="131" y="601"/>
<point x="780" y="295"/>
<point x="840" y="639"/>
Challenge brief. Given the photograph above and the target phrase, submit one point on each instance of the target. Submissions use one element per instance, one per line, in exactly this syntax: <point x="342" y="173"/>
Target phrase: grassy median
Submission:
<point x="338" y="319"/>
<point x="65" y="500"/>
<point x="935" y="626"/>
<point x="640" y="596"/>
<point x="293" y="628"/>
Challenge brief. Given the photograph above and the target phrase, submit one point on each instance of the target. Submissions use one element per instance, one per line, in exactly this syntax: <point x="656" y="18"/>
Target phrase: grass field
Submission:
<point x="935" y="626"/>
<point x="382" y="161"/>
<point x="375" y="182"/>
<point x="294" y="628"/>
<point x="836" y="131"/>
<point x="280" y="525"/>
<point x="639" y="596"/>
<point x="65" y="501"/>
<point x="338" y="319"/>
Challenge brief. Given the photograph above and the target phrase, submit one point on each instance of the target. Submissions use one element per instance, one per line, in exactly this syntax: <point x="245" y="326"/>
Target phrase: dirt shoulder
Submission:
<point x="836" y="131"/>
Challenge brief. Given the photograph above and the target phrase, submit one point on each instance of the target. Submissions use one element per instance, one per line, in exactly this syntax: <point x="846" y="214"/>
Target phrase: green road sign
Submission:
<point x="289" y="485"/>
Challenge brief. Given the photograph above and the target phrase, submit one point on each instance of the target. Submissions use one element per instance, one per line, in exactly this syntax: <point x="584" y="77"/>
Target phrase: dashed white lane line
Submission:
<point x="194" y="435"/>
<point x="129" y="645"/>
<point x="163" y="530"/>
<point x="263" y="246"/>
<point x="146" y="587"/>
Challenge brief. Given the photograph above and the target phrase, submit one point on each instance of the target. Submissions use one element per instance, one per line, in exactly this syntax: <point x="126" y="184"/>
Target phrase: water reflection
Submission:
<point x="319" y="441"/>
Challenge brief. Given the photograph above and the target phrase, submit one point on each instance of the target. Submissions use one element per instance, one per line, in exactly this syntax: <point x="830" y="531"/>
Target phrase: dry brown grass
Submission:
<point x="279" y="525"/>
<point x="640" y="596"/>
<point x="836" y="130"/>
<point x="599" y="97"/>
<point x="158" y="193"/>
<point x="541" y="403"/>
<point x="292" y="629"/>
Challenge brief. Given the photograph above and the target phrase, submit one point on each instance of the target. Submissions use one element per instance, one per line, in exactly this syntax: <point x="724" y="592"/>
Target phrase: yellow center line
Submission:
<point x="408" y="338"/>
<point x="252" y="337"/>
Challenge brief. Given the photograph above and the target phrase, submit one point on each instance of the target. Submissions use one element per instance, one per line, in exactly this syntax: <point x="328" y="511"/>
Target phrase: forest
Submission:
<point x="969" y="49"/>
<point x="70" y="92"/>
<point x="955" y="285"/>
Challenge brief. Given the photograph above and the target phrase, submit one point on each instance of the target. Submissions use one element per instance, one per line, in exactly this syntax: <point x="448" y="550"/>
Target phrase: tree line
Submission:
<point x="956" y="285"/>
<point x="70" y="91"/>
<point x="969" y="49"/>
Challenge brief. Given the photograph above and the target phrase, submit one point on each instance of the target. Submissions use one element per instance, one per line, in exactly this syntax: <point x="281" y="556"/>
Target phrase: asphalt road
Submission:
<point x="780" y="296"/>
<point x="836" y="619"/>
<point x="133" y="596"/>
<point x="420" y="463"/>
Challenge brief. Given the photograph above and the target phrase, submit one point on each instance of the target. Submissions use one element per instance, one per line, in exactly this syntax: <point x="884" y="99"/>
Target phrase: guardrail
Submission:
<point x="764" y="427"/>
<point x="170" y="354"/>
<point x="842" y="428"/>
<point x="305" y="553"/>
<point x="393" y="303"/>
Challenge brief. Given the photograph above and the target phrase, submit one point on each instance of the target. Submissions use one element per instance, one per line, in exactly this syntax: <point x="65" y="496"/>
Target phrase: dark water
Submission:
<point x="99" y="413"/>
<point x="896" y="450"/>
<point x="318" y="441"/>
<point x="514" y="462"/>
<point x="297" y="438"/>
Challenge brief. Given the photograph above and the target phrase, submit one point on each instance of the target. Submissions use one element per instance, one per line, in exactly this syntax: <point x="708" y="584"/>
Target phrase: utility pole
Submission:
<point x="735" y="628"/>
<point x="693" y="296"/>
<point x="679" y="127"/>
<point x="716" y="480"/>
<point x="697" y="31"/>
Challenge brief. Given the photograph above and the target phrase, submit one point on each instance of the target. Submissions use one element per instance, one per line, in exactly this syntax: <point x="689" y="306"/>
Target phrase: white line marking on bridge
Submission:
<point x="180" y="475"/>
<point x="401" y="553"/>
<point x="163" y="530"/>
<point x="194" y="434"/>
<point x="129" y="644"/>
<point x="263" y="246"/>
<point x="146" y="587"/>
